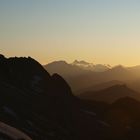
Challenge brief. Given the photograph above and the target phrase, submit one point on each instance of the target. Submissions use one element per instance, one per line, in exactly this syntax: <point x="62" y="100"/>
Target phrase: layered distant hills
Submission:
<point x="75" y="68"/>
<point x="82" y="75"/>
<point x="111" y="94"/>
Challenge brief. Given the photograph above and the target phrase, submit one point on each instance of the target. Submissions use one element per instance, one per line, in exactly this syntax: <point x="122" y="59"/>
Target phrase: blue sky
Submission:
<point x="100" y="31"/>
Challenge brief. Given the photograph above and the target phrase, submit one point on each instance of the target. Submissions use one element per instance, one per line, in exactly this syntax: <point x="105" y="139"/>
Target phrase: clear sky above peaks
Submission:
<point x="99" y="31"/>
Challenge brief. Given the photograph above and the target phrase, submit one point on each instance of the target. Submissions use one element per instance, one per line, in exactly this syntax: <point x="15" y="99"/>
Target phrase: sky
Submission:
<point x="97" y="31"/>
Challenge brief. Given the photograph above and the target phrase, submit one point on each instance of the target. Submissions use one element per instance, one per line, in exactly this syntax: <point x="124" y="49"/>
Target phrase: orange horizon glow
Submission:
<point x="104" y="32"/>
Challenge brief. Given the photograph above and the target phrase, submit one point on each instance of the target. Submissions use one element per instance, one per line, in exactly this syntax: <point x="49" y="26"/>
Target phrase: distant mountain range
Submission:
<point x="111" y="94"/>
<point x="101" y="86"/>
<point x="90" y="66"/>
<point x="76" y="67"/>
<point x="82" y="75"/>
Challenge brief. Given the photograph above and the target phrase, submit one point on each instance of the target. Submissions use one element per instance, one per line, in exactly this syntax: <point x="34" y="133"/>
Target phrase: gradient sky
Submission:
<point x="98" y="31"/>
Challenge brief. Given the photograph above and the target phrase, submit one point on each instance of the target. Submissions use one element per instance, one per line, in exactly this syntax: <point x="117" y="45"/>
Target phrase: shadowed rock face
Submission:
<point x="24" y="85"/>
<point x="22" y="72"/>
<point x="61" y="86"/>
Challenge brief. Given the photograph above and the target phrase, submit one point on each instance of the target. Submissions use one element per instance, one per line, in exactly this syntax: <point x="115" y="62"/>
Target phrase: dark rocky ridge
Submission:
<point x="45" y="101"/>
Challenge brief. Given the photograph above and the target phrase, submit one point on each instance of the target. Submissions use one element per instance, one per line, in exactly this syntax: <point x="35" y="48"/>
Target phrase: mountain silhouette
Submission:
<point x="81" y="75"/>
<point x="40" y="105"/>
<point x="111" y="94"/>
<point x="75" y="68"/>
<point x="64" y="69"/>
<point x="101" y="86"/>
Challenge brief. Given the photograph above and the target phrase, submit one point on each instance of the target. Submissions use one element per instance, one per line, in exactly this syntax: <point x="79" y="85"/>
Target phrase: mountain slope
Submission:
<point x="82" y="77"/>
<point x="111" y="94"/>
<point x="101" y="86"/>
<point x="64" y="69"/>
